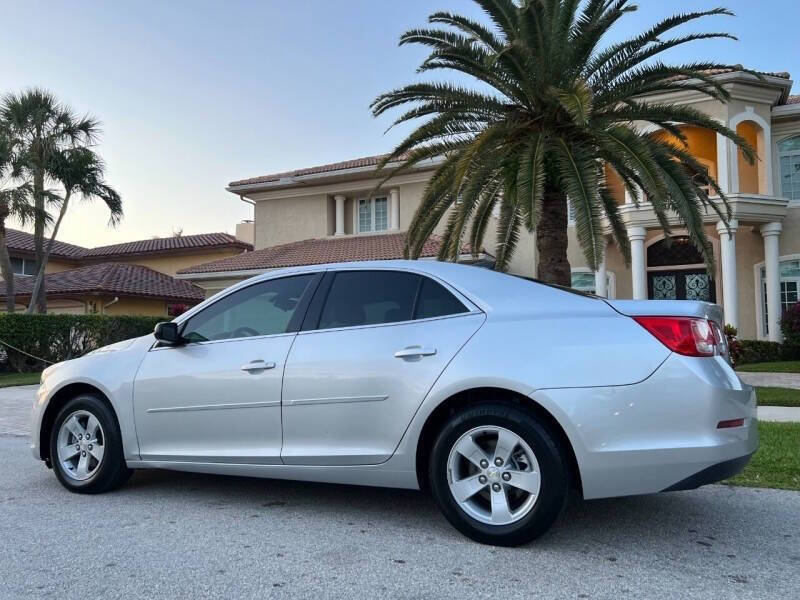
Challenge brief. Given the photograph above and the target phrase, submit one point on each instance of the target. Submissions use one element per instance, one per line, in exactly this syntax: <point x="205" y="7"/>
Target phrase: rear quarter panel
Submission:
<point x="586" y="345"/>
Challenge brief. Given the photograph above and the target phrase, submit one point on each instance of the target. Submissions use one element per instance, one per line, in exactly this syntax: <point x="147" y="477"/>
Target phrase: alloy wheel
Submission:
<point x="493" y="475"/>
<point x="80" y="445"/>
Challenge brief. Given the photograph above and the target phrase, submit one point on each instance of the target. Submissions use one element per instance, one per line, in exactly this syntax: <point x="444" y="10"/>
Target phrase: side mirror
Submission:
<point x="167" y="333"/>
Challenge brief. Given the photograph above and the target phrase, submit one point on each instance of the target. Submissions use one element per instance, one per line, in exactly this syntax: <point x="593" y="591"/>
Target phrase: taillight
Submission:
<point x="685" y="335"/>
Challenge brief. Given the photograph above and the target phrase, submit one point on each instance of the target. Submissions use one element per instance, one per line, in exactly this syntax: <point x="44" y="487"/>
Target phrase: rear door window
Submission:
<point x="369" y="298"/>
<point x="435" y="301"/>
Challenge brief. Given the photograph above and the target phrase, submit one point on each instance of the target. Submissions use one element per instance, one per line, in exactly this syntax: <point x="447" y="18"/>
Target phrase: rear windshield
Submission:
<point x="563" y="288"/>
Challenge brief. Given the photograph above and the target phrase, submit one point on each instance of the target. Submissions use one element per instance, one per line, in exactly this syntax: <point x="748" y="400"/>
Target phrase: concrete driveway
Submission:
<point x="174" y="535"/>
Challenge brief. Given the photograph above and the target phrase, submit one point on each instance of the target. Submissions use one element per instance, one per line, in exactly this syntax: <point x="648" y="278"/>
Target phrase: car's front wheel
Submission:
<point x="498" y="475"/>
<point x="86" y="446"/>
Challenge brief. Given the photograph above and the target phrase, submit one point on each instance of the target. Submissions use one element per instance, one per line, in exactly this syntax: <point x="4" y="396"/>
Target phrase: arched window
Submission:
<point x="789" y="156"/>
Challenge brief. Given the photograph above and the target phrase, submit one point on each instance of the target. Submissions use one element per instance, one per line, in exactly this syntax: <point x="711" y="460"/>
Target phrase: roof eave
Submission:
<point x="318" y="178"/>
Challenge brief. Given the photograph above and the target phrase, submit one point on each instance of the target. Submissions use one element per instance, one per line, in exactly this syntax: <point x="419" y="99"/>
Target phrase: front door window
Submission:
<point x="681" y="285"/>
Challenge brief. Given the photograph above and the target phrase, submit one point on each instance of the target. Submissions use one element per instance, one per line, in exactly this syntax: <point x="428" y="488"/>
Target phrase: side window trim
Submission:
<point x="314" y="312"/>
<point x="305" y="300"/>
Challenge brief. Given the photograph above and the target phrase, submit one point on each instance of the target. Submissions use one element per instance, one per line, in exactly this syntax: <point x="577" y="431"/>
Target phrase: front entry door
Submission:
<point x="692" y="284"/>
<point x="217" y="397"/>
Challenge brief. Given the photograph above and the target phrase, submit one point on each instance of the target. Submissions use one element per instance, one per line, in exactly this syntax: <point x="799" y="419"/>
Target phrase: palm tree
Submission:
<point x="15" y="201"/>
<point x="80" y="171"/>
<point x="41" y="126"/>
<point x="552" y="112"/>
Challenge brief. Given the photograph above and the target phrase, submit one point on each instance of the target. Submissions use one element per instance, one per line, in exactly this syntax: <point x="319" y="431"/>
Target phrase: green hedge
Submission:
<point x="60" y="337"/>
<point x="756" y="351"/>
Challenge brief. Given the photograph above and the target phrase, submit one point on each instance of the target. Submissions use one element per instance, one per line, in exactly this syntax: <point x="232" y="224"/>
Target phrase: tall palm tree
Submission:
<point x="80" y="171"/>
<point x="552" y="109"/>
<point x="42" y="127"/>
<point x="15" y="201"/>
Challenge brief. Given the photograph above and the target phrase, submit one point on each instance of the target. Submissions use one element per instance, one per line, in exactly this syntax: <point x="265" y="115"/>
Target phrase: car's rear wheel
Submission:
<point x="498" y="474"/>
<point x="86" y="446"/>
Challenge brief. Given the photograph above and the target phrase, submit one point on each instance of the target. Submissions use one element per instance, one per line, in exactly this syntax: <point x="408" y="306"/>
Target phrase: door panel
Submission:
<point x="347" y="399"/>
<point x="217" y="397"/>
<point x="212" y="402"/>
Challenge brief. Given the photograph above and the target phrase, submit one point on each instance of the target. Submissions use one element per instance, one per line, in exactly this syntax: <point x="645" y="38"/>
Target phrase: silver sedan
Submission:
<point x="495" y="393"/>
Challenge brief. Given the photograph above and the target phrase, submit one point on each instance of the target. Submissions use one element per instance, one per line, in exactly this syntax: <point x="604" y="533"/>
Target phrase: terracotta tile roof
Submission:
<point x="113" y="279"/>
<point x="183" y="242"/>
<point x="793" y="100"/>
<point x="318" y="251"/>
<point x="367" y="161"/>
<point x="22" y="242"/>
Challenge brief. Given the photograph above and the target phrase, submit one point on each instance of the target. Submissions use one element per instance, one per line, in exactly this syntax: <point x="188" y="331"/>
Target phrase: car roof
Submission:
<point x="491" y="291"/>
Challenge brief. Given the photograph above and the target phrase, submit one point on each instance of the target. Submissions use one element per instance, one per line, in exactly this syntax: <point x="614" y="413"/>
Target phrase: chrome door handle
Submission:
<point x="414" y="351"/>
<point x="258" y="365"/>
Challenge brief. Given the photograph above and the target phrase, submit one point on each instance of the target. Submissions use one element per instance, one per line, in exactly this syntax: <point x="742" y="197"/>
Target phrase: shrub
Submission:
<point x="60" y="337"/>
<point x="753" y="351"/>
<point x="790" y="327"/>
<point x="734" y="345"/>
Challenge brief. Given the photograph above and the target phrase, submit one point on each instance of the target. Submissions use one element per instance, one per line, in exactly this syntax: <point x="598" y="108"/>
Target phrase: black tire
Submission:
<point x="553" y="469"/>
<point x="111" y="472"/>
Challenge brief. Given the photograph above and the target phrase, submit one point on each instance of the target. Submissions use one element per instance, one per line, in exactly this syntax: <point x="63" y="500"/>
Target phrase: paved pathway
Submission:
<point x="15" y="409"/>
<point x="782" y="380"/>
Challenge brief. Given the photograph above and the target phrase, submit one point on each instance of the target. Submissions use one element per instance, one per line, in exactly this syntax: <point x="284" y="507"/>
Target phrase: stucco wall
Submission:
<point x="136" y="306"/>
<point x="283" y="220"/>
<point x="172" y="263"/>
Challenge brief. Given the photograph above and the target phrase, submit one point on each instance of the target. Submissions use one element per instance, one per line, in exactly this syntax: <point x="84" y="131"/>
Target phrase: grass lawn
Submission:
<point x="777" y="462"/>
<point x="773" y="396"/>
<point x="9" y="379"/>
<point x="787" y="366"/>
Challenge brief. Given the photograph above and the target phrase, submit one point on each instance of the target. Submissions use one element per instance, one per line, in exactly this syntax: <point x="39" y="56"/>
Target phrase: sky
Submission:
<point x="195" y="94"/>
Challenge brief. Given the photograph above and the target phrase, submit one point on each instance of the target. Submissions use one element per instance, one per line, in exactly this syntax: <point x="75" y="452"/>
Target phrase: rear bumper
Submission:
<point x="660" y="434"/>
<point x="712" y="474"/>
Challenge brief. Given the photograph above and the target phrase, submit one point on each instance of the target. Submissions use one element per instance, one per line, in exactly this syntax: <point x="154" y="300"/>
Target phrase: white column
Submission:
<point x="727" y="248"/>
<point x="723" y="162"/>
<point x="772" y="237"/>
<point x="394" y="208"/>
<point x="638" y="262"/>
<point x="339" y="214"/>
<point x="601" y="275"/>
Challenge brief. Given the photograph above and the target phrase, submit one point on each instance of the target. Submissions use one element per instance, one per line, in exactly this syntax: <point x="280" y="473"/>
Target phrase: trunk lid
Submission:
<point x="669" y="308"/>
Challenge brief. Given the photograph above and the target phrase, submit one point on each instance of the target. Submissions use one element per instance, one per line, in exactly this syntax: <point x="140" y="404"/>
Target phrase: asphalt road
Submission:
<point x="174" y="535"/>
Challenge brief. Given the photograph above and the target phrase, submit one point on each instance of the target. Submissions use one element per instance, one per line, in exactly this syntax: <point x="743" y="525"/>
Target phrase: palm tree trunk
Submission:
<point x="38" y="284"/>
<point x="5" y="263"/>
<point x="40" y="302"/>
<point x="551" y="239"/>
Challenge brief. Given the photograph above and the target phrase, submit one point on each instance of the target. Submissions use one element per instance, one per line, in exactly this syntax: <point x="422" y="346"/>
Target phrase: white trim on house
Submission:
<point x="759" y="291"/>
<point x="372" y="214"/>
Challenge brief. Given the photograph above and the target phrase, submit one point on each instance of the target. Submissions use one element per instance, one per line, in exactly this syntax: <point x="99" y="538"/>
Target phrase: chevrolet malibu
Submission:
<point x="495" y="393"/>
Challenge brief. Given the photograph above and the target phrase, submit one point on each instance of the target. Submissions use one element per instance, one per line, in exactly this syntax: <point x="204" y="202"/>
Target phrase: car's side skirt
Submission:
<point x="383" y="475"/>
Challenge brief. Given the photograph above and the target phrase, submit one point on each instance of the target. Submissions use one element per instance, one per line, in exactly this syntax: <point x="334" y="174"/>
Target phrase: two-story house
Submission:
<point x="330" y="213"/>
<point x="134" y="278"/>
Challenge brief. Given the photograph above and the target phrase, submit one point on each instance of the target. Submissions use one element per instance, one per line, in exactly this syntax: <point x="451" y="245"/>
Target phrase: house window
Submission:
<point x="789" y="155"/>
<point x="790" y="285"/>
<point x="583" y="281"/>
<point x="23" y="266"/>
<point x="373" y="214"/>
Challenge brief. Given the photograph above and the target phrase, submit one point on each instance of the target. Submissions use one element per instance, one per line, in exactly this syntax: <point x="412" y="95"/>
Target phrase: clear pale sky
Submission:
<point x="195" y="94"/>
